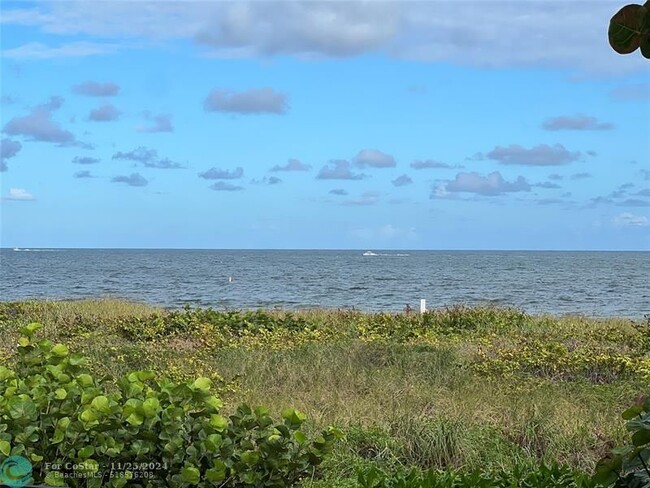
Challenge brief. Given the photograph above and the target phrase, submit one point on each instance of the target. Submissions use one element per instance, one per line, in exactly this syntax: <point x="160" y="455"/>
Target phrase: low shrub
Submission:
<point x="79" y="430"/>
<point x="629" y="466"/>
<point x="553" y="476"/>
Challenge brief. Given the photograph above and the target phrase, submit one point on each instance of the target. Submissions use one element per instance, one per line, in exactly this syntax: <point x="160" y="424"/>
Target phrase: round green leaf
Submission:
<point x="202" y="383"/>
<point x="5" y="448"/>
<point x="101" y="404"/>
<point x="29" y="329"/>
<point x="624" y="33"/>
<point x="217" y="473"/>
<point x="60" y="350"/>
<point x="21" y="407"/>
<point x="85" y="380"/>
<point x="250" y="457"/>
<point x="54" y="478"/>
<point x="219" y="422"/>
<point x="191" y="475"/>
<point x="86" y="452"/>
<point x="150" y="407"/>
<point x="76" y="359"/>
<point x="88" y="415"/>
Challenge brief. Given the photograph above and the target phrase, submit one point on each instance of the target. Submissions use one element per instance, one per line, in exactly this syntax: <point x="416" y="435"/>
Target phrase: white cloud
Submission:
<point x="576" y="122"/>
<point x="372" y="158"/>
<point x="19" y="194"/>
<point x="39" y="126"/>
<point x="491" y="185"/>
<point x="541" y="155"/>
<point x="629" y="220"/>
<point x="547" y="34"/>
<point x="255" y="101"/>
<point x="37" y="50"/>
<point x="96" y="89"/>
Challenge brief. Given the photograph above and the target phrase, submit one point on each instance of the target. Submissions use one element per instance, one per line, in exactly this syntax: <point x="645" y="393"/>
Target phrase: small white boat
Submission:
<point x="369" y="253"/>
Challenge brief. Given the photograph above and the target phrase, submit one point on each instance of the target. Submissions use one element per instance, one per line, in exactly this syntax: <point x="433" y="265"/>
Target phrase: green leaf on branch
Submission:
<point x="628" y="28"/>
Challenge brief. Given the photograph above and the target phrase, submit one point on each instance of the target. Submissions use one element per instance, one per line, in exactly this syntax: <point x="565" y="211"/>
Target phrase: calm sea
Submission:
<point x="590" y="283"/>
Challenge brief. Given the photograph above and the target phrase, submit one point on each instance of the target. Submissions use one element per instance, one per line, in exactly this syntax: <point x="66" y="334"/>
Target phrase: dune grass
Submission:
<point x="462" y="388"/>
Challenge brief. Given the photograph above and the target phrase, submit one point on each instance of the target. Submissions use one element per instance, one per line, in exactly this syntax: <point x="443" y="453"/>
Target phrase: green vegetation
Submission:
<point x="629" y="29"/>
<point x="424" y="401"/>
<point x="79" y="430"/>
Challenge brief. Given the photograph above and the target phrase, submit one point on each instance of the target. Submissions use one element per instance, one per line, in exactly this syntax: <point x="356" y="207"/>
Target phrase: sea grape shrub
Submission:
<point x="54" y="413"/>
<point x="629" y="466"/>
<point x="188" y="320"/>
<point x="557" y="361"/>
<point x="460" y="318"/>
<point x="455" y="320"/>
<point x="544" y="476"/>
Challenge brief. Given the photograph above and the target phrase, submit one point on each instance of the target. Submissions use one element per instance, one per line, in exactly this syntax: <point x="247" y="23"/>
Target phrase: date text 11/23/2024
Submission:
<point x="141" y="470"/>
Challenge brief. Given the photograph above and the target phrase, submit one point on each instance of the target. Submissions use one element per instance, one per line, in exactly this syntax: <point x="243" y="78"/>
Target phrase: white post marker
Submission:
<point x="423" y="305"/>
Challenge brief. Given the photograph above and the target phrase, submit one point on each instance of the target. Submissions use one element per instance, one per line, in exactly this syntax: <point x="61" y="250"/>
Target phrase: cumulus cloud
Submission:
<point x="372" y="158"/>
<point x="338" y="169"/>
<point x="338" y="191"/>
<point x="580" y="176"/>
<point x="105" y="113"/>
<point x="83" y="174"/>
<point x="541" y="155"/>
<point x="547" y="184"/>
<point x="96" y="89"/>
<point x="8" y="149"/>
<point x="39" y="126"/>
<point x="367" y="198"/>
<point x="643" y="193"/>
<point x="631" y="92"/>
<point x="576" y="122"/>
<point x="431" y="164"/>
<point x="159" y="123"/>
<point x="223" y="186"/>
<point x="555" y="177"/>
<point x="222" y="174"/>
<point x="634" y="202"/>
<point x="645" y="173"/>
<point x="309" y="28"/>
<point x="250" y="102"/>
<point x="134" y="179"/>
<point x="85" y="160"/>
<point x="402" y="180"/>
<point x="18" y="194"/>
<point x="148" y="158"/>
<point x="491" y="185"/>
<point x="292" y="165"/>
<point x="627" y="219"/>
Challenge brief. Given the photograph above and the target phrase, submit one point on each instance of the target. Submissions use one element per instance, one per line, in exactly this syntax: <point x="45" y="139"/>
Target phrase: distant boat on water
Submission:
<point x="369" y="253"/>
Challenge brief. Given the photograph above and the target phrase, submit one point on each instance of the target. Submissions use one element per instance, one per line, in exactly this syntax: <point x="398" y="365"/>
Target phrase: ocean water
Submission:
<point x="589" y="283"/>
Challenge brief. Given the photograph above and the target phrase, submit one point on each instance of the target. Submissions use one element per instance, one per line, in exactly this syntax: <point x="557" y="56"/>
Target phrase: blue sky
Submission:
<point x="366" y="125"/>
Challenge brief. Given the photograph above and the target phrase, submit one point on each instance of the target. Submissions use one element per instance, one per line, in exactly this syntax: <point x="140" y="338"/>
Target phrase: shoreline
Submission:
<point x="312" y="309"/>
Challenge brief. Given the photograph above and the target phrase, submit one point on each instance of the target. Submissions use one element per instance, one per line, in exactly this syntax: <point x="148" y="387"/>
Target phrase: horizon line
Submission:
<point x="54" y="248"/>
